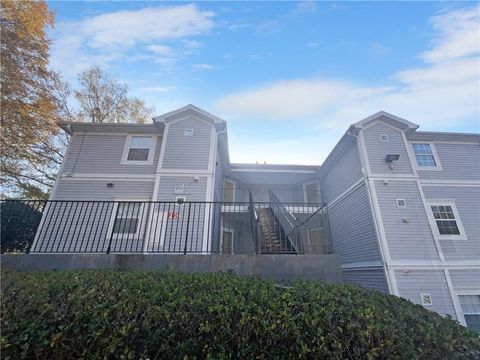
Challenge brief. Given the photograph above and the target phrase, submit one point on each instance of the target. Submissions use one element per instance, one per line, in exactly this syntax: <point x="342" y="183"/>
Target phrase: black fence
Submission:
<point x="60" y="226"/>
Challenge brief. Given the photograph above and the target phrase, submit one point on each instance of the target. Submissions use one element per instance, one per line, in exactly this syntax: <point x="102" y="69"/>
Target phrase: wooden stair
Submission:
<point x="273" y="239"/>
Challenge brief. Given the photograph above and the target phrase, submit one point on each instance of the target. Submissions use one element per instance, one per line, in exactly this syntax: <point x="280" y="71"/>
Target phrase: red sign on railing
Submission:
<point x="173" y="215"/>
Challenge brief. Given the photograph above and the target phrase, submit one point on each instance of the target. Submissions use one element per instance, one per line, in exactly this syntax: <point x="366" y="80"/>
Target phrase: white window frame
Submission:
<point x="233" y="189"/>
<point x="305" y="193"/>
<point x="404" y="201"/>
<point x="142" y="221"/>
<point x="386" y="140"/>
<point x="467" y="292"/>
<point x="433" y="223"/>
<point x="233" y="238"/>
<point x="434" y="154"/>
<point x="151" y="150"/>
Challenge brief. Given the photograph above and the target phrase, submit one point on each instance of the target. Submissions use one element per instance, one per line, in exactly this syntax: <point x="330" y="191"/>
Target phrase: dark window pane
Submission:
<point x="138" y="154"/>
<point x="448" y="227"/>
<point x="125" y="226"/>
<point x="473" y="322"/>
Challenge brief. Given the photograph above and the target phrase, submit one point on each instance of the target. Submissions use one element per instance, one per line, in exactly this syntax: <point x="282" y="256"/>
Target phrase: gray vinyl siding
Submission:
<point x="411" y="240"/>
<point x="459" y="161"/>
<point x="81" y="223"/>
<point x="368" y="278"/>
<point x="377" y="150"/>
<point x="345" y="171"/>
<point x="433" y="282"/>
<point x="98" y="190"/>
<point x="166" y="188"/>
<point x="352" y="229"/>
<point x="239" y="222"/>
<point x="467" y="202"/>
<point x="188" y="152"/>
<point x="465" y="280"/>
<point x="102" y="153"/>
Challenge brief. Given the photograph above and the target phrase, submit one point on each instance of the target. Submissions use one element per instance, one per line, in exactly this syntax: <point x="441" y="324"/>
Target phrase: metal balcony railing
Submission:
<point x="63" y="226"/>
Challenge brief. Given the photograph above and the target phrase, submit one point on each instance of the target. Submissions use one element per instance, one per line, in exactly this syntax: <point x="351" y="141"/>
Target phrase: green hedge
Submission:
<point x="135" y="315"/>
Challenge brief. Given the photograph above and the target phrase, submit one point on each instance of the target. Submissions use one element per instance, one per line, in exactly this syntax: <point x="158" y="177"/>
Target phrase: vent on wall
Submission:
<point x="426" y="299"/>
<point x="401" y="203"/>
<point x="187" y="132"/>
<point x="384" y="138"/>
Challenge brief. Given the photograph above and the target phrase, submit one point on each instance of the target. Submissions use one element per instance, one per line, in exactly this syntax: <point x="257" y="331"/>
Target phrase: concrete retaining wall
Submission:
<point x="276" y="267"/>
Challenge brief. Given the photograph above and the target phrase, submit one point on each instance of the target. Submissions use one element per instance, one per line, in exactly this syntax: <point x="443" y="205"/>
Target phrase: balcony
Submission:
<point x="144" y="227"/>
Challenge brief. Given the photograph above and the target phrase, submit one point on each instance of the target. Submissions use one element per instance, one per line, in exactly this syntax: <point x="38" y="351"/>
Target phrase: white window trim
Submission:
<point x="233" y="238"/>
<point x="233" y="189"/>
<point x="151" y="150"/>
<point x="141" y="228"/>
<point x="305" y="194"/>
<point x="434" y="153"/>
<point x="433" y="223"/>
<point x="466" y="292"/>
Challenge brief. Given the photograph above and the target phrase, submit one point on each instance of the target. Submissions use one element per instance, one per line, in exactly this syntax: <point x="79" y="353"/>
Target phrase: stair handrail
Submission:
<point x="282" y="213"/>
<point x="253" y="217"/>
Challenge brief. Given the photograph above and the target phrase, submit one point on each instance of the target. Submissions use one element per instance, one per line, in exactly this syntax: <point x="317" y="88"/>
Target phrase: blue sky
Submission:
<point x="289" y="77"/>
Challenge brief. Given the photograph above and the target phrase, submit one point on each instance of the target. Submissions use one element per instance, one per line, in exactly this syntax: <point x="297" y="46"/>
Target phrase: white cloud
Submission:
<point x="203" y="66"/>
<point x="458" y="35"/>
<point x="305" y="7"/>
<point x="157" y="89"/>
<point x="442" y="93"/>
<point x="238" y="26"/>
<point x="129" y="36"/>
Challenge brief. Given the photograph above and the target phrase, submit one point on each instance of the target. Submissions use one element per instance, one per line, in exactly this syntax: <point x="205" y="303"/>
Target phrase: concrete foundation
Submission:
<point x="275" y="267"/>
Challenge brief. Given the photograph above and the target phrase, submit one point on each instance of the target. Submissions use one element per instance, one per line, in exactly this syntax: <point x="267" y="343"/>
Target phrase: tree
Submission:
<point x="30" y="108"/>
<point x="103" y="100"/>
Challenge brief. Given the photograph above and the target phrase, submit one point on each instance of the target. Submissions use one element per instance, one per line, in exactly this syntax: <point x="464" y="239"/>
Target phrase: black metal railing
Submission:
<point x="61" y="226"/>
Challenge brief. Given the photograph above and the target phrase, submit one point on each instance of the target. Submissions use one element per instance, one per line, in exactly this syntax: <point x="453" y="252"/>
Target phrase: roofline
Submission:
<point x="362" y="122"/>
<point x="68" y="126"/>
<point x="192" y="107"/>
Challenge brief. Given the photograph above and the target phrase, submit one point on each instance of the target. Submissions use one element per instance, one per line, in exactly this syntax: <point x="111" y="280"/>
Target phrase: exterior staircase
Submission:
<point x="273" y="239"/>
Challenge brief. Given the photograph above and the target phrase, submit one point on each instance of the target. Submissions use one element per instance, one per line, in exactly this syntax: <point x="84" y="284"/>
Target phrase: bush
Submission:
<point x="153" y="315"/>
<point x="19" y="222"/>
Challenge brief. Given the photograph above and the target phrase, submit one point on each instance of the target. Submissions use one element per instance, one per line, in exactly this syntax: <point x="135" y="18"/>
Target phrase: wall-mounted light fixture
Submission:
<point x="110" y="185"/>
<point x="391" y="158"/>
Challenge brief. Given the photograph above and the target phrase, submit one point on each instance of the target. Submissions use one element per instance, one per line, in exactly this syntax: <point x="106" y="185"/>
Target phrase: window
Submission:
<point x="188" y="132"/>
<point x="445" y="221"/>
<point x="227" y="241"/>
<point x="384" y="138"/>
<point x="426" y="299"/>
<point x="401" y="203"/>
<point x="138" y="150"/>
<point x="471" y="310"/>
<point x="228" y="191"/>
<point x="182" y="188"/>
<point x="424" y="155"/>
<point x="127" y="220"/>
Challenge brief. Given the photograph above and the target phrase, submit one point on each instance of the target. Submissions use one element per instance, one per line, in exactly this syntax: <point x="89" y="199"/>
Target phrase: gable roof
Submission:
<point x="389" y="119"/>
<point x="188" y="110"/>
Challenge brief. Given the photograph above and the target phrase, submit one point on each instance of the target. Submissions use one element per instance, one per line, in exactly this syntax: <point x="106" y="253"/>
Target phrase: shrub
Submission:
<point x="153" y="315"/>
<point x="19" y="222"/>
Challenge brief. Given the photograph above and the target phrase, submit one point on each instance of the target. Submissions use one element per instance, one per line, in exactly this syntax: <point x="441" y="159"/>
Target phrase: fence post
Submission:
<point x="113" y="227"/>
<point x="188" y="225"/>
